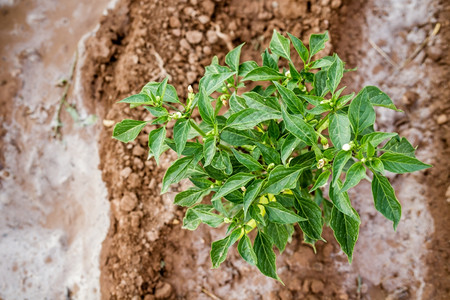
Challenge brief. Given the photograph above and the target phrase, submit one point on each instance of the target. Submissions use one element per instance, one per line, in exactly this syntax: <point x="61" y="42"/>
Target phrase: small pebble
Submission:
<point x="442" y="119"/>
<point x="194" y="37"/>
<point x="336" y="3"/>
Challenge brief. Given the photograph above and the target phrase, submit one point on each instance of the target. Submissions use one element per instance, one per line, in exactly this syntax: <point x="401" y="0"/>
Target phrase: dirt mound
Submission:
<point x="146" y="254"/>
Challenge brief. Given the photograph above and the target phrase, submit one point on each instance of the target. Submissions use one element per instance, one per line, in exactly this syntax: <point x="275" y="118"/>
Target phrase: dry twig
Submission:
<point x="205" y="291"/>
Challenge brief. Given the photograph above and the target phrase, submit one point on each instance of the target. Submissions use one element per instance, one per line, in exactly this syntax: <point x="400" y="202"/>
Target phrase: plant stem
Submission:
<point x="195" y="126"/>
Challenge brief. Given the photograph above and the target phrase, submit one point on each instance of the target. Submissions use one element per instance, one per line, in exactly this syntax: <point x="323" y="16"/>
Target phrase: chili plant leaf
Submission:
<point x="355" y="174"/>
<point x="321" y="180"/>
<point x="291" y="100"/>
<point x="298" y="127"/>
<point x="279" y="235"/>
<point x="127" y="130"/>
<point x="317" y="42"/>
<point x="156" y="142"/>
<point x="300" y="48"/>
<point x="346" y="231"/>
<point x="264" y="74"/>
<point x="246" y="251"/>
<point x="249" y="118"/>
<point x="205" y="108"/>
<point x="266" y="259"/>
<point x="180" y="134"/>
<point x="247" y="160"/>
<point x="280" y="45"/>
<point x="233" y="183"/>
<point x="401" y="163"/>
<point x="191" y="196"/>
<point x="311" y="212"/>
<point x="177" y="171"/>
<point x="233" y="57"/>
<point x="334" y="74"/>
<point x="361" y="113"/>
<point x="339" y="129"/>
<point x="219" y="249"/>
<point x="385" y="200"/>
<point x="279" y="214"/>
<point x="252" y="193"/>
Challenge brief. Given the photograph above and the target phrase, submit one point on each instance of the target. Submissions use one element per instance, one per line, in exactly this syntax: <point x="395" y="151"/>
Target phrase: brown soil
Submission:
<point x="146" y="254"/>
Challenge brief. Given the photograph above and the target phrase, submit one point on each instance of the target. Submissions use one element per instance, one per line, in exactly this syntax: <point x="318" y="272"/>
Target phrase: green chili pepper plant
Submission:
<point x="258" y="158"/>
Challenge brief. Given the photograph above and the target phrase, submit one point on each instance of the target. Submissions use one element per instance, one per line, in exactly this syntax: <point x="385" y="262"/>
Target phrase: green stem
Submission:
<point x="195" y="126"/>
<point x="322" y="122"/>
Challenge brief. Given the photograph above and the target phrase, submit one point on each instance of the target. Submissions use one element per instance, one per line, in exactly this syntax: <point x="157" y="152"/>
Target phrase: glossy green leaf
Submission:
<point x="266" y="259"/>
<point x="385" y="200"/>
<point x="246" y="251"/>
<point x="156" y="142"/>
<point x="180" y="134"/>
<point x="259" y="102"/>
<point x="157" y="111"/>
<point x="246" y="67"/>
<point x="346" y="231"/>
<point x="279" y="214"/>
<point x="339" y="129"/>
<point x="233" y="57"/>
<point x="311" y="212"/>
<point x="289" y="144"/>
<point x="247" y="160"/>
<point x="127" y="130"/>
<point x="170" y="94"/>
<point x="212" y="82"/>
<point x="264" y="74"/>
<point x="298" y="127"/>
<point x="335" y="73"/>
<point x="282" y="178"/>
<point x="233" y="183"/>
<point x="300" y="48"/>
<point x="379" y="98"/>
<point x="339" y="163"/>
<point x="321" y="180"/>
<point x="269" y="154"/>
<point x="219" y="249"/>
<point x="278" y="234"/>
<point x="190" y="197"/>
<point x="355" y="174"/>
<point x="293" y="103"/>
<point x="342" y="202"/>
<point x="248" y="118"/>
<point x="280" y="45"/>
<point x="252" y="193"/>
<point x="205" y="108"/>
<point x="317" y="42"/>
<point x="191" y="219"/>
<point x="399" y="145"/>
<point x="138" y="99"/>
<point x="361" y="113"/>
<point x="375" y="138"/>
<point x="237" y="103"/>
<point x="209" y="149"/>
<point x="320" y="83"/>
<point x="177" y="171"/>
<point x="401" y="163"/>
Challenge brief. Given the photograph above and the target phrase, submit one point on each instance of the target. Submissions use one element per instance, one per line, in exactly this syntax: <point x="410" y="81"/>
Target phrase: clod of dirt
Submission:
<point x="128" y="202"/>
<point x="409" y="98"/>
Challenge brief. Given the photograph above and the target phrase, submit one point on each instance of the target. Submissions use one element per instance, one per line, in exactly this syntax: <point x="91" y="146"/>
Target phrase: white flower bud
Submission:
<point x="346" y="147"/>
<point x="177" y="115"/>
<point x="321" y="163"/>
<point x="287" y="73"/>
<point x="190" y="89"/>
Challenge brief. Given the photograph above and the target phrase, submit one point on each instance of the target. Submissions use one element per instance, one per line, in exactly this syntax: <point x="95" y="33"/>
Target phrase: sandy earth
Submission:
<point x="146" y="254"/>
